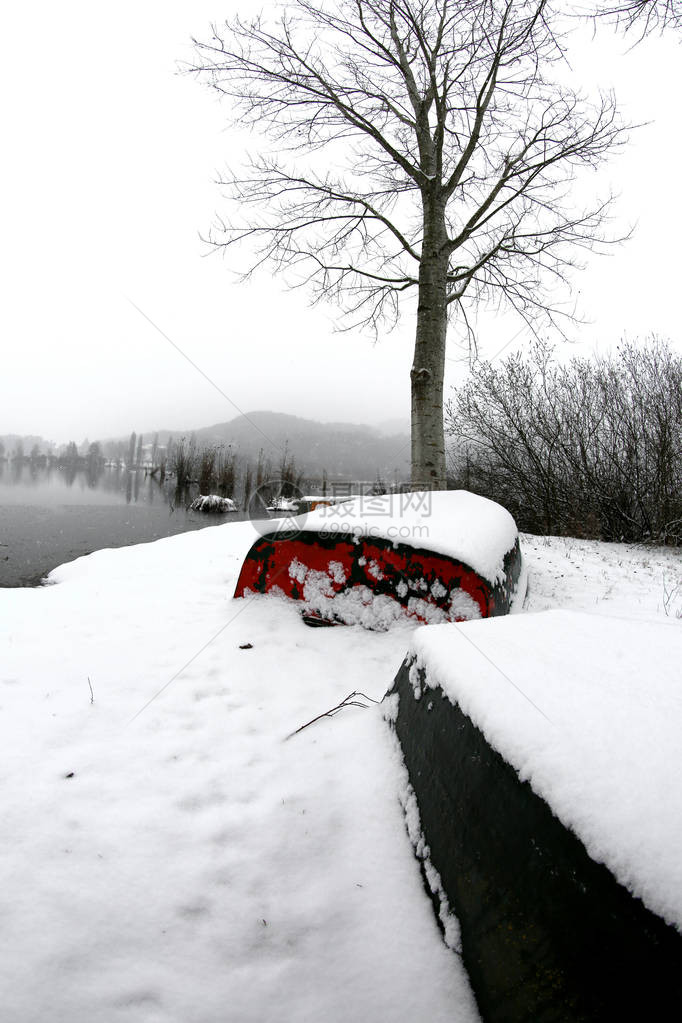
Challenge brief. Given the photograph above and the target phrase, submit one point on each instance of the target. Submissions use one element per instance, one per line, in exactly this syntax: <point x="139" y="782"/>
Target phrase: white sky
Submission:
<point x="107" y="180"/>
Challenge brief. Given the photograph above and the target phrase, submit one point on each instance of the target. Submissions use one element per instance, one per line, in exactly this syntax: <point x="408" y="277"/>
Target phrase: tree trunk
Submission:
<point x="428" y="438"/>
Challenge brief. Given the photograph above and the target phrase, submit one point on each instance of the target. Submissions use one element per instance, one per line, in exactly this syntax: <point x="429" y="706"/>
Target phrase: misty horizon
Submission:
<point x="107" y="303"/>
<point x="386" y="427"/>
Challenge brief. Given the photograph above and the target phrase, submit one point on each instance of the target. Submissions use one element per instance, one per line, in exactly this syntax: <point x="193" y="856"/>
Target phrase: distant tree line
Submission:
<point x="590" y="448"/>
<point x="185" y="464"/>
<point x="42" y="454"/>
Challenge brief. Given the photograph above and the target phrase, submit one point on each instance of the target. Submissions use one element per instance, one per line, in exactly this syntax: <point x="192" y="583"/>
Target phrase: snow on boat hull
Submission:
<point x="547" y="933"/>
<point x="373" y="581"/>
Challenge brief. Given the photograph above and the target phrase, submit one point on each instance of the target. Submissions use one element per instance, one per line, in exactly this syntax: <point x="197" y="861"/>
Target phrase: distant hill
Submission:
<point x="344" y="449"/>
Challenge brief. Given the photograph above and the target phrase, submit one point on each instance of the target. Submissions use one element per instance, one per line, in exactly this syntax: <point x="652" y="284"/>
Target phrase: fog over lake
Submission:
<point x="50" y="515"/>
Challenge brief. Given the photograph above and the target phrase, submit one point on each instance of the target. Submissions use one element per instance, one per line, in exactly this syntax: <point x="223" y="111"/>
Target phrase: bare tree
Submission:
<point x="248" y="478"/>
<point x="417" y="146"/>
<point x="643" y="16"/>
<point x="130" y="461"/>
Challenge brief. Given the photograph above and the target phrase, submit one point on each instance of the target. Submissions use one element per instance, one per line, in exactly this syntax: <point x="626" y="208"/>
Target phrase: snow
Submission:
<point x="284" y="504"/>
<point x="357" y="606"/>
<point x="198" y="865"/>
<point x="611" y="578"/>
<point x="360" y="605"/>
<point x="450" y="923"/>
<point x="461" y="525"/>
<point x="325" y="498"/>
<point x="169" y="854"/>
<point x="213" y="503"/>
<point x="588" y="709"/>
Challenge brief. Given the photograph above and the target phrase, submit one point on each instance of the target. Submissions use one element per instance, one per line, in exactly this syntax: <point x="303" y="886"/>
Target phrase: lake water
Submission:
<point x="49" y="516"/>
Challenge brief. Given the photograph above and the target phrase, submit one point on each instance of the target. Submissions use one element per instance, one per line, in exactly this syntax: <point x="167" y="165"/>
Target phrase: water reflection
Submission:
<point x="27" y="483"/>
<point x="53" y="514"/>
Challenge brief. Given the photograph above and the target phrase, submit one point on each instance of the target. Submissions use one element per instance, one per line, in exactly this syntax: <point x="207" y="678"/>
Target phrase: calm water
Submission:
<point x="49" y="516"/>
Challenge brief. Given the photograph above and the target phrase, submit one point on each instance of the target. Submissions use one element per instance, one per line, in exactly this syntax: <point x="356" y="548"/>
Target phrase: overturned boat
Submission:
<point x="423" y="557"/>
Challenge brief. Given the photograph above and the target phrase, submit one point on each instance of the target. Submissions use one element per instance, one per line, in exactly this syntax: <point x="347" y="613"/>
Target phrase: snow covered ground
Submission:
<point x="169" y="854"/>
<point x="608" y="578"/>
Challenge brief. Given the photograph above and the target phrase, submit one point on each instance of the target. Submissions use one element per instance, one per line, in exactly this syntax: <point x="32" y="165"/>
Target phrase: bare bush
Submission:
<point x="290" y="476"/>
<point x="590" y="448"/>
<point x="226" y="471"/>
<point x="207" y="469"/>
<point x="184" y="461"/>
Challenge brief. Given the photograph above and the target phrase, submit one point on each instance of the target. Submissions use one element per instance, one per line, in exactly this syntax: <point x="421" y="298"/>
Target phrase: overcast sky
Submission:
<point x="107" y="181"/>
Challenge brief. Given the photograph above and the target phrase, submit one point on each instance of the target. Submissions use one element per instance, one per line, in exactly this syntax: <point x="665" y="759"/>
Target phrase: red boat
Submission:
<point x="360" y="562"/>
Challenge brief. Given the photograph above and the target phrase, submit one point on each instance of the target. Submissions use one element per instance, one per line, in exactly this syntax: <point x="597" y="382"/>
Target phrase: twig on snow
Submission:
<point x="670" y="593"/>
<point x="353" y="699"/>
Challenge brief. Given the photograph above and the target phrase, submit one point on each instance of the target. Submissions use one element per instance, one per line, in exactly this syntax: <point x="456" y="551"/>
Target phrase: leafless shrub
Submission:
<point x="591" y="448"/>
<point x="226" y="471"/>
<point x="289" y="475"/>
<point x="184" y="461"/>
<point x="207" y="469"/>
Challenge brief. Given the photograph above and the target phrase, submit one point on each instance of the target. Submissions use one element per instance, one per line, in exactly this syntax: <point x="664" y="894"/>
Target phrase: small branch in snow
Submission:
<point x="92" y="695"/>
<point x="670" y="594"/>
<point x="353" y="699"/>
